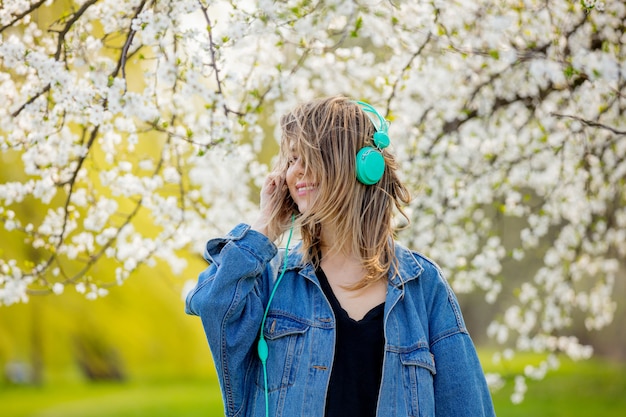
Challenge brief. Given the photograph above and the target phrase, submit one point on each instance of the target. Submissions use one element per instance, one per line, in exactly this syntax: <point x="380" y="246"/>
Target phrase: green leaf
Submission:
<point x="357" y="26"/>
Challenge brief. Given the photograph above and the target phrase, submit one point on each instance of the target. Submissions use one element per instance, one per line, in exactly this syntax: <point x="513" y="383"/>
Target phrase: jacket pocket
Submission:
<point x="284" y="335"/>
<point x="418" y="369"/>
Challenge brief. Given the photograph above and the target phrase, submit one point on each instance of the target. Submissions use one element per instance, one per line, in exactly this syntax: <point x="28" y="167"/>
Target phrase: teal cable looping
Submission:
<point x="262" y="348"/>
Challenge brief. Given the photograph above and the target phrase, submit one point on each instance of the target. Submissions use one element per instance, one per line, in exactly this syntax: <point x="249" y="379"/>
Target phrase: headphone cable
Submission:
<point x="262" y="348"/>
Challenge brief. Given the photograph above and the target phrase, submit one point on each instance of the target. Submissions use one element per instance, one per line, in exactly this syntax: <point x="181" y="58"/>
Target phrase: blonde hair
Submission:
<point x="327" y="134"/>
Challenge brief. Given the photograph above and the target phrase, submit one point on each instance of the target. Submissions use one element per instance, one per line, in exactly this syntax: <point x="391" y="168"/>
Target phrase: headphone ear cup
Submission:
<point x="370" y="165"/>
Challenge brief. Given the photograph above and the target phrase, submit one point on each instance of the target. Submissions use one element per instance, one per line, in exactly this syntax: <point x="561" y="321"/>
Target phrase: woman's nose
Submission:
<point x="298" y="167"/>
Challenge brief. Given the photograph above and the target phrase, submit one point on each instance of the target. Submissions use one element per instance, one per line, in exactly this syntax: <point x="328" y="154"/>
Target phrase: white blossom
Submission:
<point x="150" y="127"/>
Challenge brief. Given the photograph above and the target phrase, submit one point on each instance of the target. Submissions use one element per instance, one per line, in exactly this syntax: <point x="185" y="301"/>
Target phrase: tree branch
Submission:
<point x="69" y="25"/>
<point x="121" y="63"/>
<point x="18" y="17"/>
<point x="216" y="70"/>
<point x="30" y="101"/>
<point x="394" y="88"/>
<point x="590" y="123"/>
<point x="57" y="55"/>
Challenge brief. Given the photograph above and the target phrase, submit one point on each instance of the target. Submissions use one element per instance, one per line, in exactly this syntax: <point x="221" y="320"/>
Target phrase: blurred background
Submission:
<point x="134" y="352"/>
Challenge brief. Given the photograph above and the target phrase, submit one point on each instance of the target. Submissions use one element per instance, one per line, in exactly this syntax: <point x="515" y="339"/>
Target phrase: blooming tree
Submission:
<point x="130" y="130"/>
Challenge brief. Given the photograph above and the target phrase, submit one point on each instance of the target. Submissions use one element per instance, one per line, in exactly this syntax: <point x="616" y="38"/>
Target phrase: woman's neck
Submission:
<point x="330" y="242"/>
<point x="338" y="258"/>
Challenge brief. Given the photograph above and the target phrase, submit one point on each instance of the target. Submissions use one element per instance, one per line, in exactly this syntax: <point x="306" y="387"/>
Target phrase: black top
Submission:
<point x="358" y="363"/>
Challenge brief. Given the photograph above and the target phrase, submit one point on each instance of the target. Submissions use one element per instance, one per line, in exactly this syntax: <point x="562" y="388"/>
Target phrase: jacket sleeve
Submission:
<point x="459" y="383"/>
<point x="230" y="299"/>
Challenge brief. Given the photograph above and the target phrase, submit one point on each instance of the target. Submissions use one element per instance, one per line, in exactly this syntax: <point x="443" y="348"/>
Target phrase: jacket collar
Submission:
<point x="409" y="267"/>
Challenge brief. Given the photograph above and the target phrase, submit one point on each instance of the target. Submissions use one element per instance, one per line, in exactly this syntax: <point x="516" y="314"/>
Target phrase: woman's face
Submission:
<point x="302" y="188"/>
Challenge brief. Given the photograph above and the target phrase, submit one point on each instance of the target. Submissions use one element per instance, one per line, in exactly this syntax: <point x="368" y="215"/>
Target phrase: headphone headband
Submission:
<point x="383" y="124"/>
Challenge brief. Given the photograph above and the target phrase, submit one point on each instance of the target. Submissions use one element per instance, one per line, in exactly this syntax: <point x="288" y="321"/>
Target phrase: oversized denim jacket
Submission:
<point x="430" y="365"/>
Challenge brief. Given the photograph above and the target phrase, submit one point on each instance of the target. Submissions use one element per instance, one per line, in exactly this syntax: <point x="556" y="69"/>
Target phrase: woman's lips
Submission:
<point x="305" y="188"/>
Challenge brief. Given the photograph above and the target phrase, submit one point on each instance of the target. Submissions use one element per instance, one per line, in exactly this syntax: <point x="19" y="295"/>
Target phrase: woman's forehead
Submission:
<point x="297" y="144"/>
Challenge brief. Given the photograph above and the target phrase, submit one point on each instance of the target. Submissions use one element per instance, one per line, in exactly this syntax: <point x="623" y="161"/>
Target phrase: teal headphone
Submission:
<point x="370" y="163"/>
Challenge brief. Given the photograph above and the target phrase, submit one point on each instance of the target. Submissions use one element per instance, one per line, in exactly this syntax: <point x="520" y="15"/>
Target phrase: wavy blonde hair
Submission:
<point x="327" y="134"/>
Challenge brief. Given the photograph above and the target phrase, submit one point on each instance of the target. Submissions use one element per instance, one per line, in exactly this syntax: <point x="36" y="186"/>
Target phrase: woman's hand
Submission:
<point x="270" y="199"/>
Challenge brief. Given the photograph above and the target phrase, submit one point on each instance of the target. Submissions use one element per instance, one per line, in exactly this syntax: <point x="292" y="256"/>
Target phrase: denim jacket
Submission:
<point x="430" y="366"/>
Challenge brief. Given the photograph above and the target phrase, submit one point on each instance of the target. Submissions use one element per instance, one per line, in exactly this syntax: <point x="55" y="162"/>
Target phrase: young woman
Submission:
<point x="349" y="322"/>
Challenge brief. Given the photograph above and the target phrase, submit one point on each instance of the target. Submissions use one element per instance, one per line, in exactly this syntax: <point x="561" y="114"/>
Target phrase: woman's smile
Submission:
<point x="303" y="188"/>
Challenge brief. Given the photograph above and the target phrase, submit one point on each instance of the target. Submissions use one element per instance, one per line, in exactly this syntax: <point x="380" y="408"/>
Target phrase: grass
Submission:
<point x="589" y="388"/>
<point x="577" y="389"/>
<point x="179" y="398"/>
